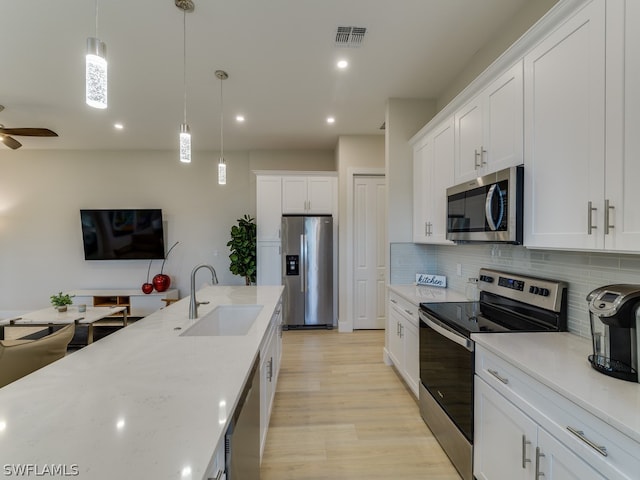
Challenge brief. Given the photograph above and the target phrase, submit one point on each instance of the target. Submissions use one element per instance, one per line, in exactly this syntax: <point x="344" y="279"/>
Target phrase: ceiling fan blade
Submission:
<point x="29" y="132"/>
<point x="10" y="142"/>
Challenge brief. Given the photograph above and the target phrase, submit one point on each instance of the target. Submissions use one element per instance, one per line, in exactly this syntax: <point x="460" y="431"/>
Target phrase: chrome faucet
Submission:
<point x="193" y="303"/>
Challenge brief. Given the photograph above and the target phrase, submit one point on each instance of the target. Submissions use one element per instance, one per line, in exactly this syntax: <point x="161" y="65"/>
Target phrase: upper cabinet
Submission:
<point x="565" y="135"/>
<point x="489" y="128"/>
<point x="432" y="175"/>
<point x="308" y="195"/>
<point x="621" y="215"/>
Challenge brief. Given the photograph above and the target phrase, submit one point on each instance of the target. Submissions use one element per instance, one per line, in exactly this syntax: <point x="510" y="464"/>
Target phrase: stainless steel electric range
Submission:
<point x="508" y="303"/>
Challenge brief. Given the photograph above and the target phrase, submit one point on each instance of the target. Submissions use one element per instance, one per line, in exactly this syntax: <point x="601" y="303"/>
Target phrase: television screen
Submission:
<point x="122" y="234"/>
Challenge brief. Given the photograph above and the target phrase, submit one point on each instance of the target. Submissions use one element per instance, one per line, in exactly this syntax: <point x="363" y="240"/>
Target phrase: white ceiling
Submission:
<point x="280" y="56"/>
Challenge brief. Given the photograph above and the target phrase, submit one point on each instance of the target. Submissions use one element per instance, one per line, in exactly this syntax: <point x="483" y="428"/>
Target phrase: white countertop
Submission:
<point x="559" y="361"/>
<point x="417" y="294"/>
<point x="140" y="403"/>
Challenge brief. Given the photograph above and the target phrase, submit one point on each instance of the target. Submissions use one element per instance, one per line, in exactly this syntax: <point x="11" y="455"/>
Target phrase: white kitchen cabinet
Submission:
<point x="403" y="339"/>
<point x="268" y="207"/>
<point x="270" y="353"/>
<point x="565" y="135"/>
<point x="269" y="263"/>
<point x="308" y="194"/>
<point x="489" y="128"/>
<point x="522" y="428"/>
<point x="433" y="161"/>
<point x="622" y="168"/>
<point x="511" y="445"/>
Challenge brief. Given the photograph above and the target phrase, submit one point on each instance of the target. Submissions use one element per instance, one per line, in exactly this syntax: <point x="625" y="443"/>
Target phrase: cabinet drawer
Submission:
<point x="579" y="430"/>
<point x="405" y="308"/>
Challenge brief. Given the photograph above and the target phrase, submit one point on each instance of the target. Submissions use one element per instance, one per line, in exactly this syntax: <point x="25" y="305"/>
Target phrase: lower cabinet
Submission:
<point x="270" y="355"/>
<point x="525" y="430"/>
<point x="509" y="444"/>
<point x="403" y="340"/>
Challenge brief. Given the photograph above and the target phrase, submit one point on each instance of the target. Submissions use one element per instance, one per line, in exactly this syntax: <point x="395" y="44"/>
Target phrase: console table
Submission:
<point x="48" y="317"/>
<point x="137" y="303"/>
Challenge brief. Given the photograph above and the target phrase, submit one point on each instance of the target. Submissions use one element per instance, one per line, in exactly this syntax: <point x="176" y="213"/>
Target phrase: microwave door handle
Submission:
<point x="487" y="208"/>
<point x="447" y="333"/>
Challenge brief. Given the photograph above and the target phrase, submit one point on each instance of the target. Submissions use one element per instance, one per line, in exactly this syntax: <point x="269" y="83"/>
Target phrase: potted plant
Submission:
<point x="243" y="249"/>
<point x="60" y="301"/>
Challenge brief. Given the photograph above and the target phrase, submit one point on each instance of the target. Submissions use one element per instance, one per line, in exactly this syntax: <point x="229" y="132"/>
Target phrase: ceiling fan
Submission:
<point x="9" y="141"/>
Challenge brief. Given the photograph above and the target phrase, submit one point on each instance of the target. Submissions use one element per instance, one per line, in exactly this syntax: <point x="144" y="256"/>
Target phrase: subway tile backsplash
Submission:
<point x="583" y="271"/>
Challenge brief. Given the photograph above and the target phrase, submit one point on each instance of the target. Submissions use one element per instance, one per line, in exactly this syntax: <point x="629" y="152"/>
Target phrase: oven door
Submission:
<point x="446" y="371"/>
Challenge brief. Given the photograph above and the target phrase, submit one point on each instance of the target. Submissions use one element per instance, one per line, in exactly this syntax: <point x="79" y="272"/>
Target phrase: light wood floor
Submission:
<point x="341" y="413"/>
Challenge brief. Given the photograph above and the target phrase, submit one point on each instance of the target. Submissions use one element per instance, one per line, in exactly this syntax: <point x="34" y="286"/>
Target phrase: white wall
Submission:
<point x="511" y="31"/>
<point x="354" y="152"/>
<point x="42" y="192"/>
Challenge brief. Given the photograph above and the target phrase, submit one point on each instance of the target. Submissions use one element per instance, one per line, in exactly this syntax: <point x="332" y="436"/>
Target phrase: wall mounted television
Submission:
<point x="124" y="234"/>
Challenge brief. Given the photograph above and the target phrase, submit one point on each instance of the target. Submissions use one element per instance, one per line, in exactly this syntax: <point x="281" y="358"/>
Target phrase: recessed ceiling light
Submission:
<point x="118" y="126"/>
<point x="331" y="120"/>
<point x="239" y="118"/>
<point x="342" y="64"/>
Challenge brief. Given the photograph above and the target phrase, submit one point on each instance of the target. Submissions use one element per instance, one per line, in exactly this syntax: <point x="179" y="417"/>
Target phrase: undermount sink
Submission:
<point x="225" y="320"/>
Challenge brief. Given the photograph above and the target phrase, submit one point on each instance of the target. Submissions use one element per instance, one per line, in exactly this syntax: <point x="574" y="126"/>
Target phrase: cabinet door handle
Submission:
<point x="426" y="229"/>
<point x="607" y="216"/>
<point x="398" y="329"/>
<point x="525" y="460"/>
<point x="539" y="455"/>
<point x="590" y="225"/>
<point x="483" y="153"/>
<point x="498" y="376"/>
<point x="401" y="331"/>
<point x="408" y="311"/>
<point x="580" y="434"/>
<point x="393" y="300"/>
<point x="477" y="155"/>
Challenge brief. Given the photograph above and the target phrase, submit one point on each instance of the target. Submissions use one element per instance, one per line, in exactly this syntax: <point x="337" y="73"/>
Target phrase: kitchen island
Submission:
<point x="141" y="403"/>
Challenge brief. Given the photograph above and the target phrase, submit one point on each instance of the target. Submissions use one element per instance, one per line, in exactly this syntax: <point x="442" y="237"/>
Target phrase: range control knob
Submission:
<point x="544" y="292"/>
<point x="534" y="290"/>
<point x="486" y="278"/>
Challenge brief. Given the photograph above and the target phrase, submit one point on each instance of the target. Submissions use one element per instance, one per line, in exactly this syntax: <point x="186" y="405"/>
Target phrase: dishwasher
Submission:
<point x="242" y="440"/>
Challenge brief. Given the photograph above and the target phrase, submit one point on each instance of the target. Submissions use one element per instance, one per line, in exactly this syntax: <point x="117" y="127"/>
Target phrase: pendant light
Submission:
<point x="222" y="166"/>
<point x="96" y="71"/>
<point x="185" y="134"/>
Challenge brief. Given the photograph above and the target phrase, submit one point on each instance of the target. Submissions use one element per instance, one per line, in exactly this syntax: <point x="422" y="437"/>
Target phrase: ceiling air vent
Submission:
<point x="350" y="36"/>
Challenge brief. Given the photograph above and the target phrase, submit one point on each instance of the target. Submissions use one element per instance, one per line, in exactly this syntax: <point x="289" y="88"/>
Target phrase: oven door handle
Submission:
<point x="447" y="332"/>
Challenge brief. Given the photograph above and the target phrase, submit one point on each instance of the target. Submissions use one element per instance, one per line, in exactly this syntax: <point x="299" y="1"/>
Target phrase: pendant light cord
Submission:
<point x="184" y="60"/>
<point x="97" y="19"/>
<point x="221" y="123"/>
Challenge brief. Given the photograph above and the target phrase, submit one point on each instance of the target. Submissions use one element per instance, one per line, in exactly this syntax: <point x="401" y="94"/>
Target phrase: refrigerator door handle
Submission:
<point x="303" y="261"/>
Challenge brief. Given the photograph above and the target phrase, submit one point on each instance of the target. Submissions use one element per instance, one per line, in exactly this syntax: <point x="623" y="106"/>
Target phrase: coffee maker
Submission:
<point x="614" y="311"/>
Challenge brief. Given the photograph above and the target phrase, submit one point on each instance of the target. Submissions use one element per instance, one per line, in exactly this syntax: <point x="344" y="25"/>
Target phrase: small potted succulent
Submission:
<point x="60" y="301"/>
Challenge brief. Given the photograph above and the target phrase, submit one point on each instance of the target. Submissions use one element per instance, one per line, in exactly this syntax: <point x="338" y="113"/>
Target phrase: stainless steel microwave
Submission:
<point x="487" y="209"/>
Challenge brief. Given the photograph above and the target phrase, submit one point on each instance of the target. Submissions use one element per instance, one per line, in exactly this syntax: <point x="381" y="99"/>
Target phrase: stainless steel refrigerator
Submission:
<point x="307" y="273"/>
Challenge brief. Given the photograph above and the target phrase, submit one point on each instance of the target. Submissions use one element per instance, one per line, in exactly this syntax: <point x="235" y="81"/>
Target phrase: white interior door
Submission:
<point x="369" y="217"/>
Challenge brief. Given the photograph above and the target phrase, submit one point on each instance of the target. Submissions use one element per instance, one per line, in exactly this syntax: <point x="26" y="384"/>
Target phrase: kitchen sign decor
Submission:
<point x="431" y="280"/>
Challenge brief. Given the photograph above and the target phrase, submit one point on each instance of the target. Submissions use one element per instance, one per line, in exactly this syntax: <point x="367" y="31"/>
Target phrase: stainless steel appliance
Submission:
<point x="487" y="209"/>
<point x="242" y="440"/>
<point x="508" y="303"/>
<point x="614" y="311"/>
<point x="307" y="273"/>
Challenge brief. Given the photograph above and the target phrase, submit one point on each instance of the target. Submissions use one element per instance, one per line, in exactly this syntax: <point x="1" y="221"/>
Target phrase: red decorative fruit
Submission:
<point x="161" y="282"/>
<point x="147" y="288"/>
